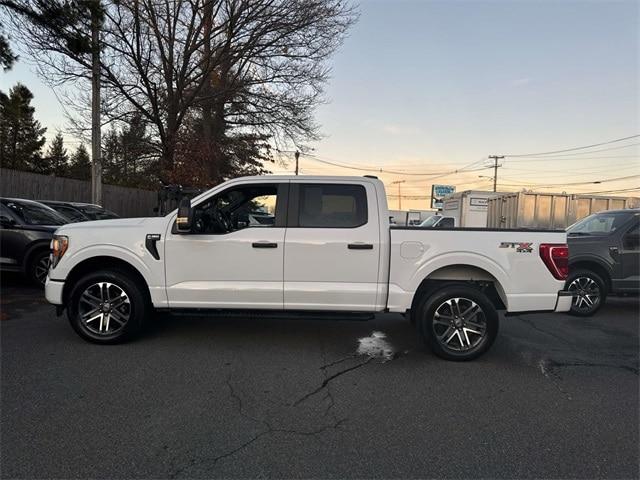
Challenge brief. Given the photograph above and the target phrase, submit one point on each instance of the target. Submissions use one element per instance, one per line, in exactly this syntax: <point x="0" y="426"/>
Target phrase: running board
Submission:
<point x="272" y="314"/>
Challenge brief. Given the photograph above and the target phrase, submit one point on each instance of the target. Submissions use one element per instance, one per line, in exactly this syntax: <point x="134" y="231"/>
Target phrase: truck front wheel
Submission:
<point x="589" y="292"/>
<point x="458" y="322"/>
<point x="107" y="307"/>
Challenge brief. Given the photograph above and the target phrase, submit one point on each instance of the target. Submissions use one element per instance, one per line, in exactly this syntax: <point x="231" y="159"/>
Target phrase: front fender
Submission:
<point x="70" y="261"/>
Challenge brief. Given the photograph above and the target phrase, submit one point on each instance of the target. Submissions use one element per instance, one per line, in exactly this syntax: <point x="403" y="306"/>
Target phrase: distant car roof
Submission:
<point x="74" y="204"/>
<point x="21" y="200"/>
<point x="626" y="210"/>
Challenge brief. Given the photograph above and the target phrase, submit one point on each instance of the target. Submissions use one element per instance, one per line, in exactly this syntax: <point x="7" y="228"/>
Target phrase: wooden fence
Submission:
<point x="126" y="202"/>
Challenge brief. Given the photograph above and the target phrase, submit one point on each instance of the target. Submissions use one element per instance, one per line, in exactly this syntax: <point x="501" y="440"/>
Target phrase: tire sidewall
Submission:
<point x="601" y="285"/>
<point x="34" y="260"/>
<point x="426" y="325"/>
<point x="136" y="298"/>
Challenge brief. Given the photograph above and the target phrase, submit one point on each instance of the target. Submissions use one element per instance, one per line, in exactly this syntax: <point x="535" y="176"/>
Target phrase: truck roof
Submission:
<point x="328" y="178"/>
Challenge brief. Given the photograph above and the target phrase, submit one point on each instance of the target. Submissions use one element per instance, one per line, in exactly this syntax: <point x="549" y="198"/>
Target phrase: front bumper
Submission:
<point x="53" y="291"/>
<point x="564" y="301"/>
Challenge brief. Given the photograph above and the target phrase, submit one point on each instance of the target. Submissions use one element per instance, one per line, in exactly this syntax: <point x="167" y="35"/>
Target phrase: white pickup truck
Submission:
<point x="303" y="246"/>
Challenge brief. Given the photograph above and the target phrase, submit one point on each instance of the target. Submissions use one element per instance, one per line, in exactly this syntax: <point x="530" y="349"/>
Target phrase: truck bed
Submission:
<point x="509" y="258"/>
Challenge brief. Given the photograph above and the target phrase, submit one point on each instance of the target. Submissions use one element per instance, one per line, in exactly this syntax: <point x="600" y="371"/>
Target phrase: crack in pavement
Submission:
<point x="343" y="359"/>
<point x="278" y="430"/>
<point x="329" y="379"/>
<point x="543" y="331"/>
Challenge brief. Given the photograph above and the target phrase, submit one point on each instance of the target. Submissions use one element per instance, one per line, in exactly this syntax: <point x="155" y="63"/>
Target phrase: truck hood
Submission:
<point x="104" y="224"/>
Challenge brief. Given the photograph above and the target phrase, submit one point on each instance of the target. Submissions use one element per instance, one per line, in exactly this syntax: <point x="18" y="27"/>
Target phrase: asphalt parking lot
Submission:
<point x="557" y="396"/>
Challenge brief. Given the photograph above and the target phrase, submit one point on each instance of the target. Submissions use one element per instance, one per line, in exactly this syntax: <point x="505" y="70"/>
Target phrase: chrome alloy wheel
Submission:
<point x="586" y="293"/>
<point x="104" y="308"/>
<point x="459" y="324"/>
<point x="41" y="269"/>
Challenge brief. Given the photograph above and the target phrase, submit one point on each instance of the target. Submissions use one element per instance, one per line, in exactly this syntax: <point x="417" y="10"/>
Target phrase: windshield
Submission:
<point x="430" y="222"/>
<point x="97" y="213"/>
<point x="598" y="224"/>
<point x="34" y="213"/>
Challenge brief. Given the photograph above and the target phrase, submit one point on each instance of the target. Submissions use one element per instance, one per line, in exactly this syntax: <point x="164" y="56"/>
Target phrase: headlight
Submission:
<point x="59" y="246"/>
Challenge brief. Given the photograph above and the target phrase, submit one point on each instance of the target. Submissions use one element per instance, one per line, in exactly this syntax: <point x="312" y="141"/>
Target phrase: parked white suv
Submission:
<point x="329" y="248"/>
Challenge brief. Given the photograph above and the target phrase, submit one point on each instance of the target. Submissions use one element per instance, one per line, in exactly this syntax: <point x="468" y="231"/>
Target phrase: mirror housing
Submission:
<point x="184" y="221"/>
<point x="7" y="222"/>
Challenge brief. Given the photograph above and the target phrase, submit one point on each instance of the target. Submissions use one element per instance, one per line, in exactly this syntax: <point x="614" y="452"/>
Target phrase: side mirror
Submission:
<point x="185" y="216"/>
<point x="7" y="222"/>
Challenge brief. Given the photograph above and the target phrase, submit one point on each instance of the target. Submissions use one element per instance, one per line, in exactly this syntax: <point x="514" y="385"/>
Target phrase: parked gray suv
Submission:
<point x="604" y="258"/>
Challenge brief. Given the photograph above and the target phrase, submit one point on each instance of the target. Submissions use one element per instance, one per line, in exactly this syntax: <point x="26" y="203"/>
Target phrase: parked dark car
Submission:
<point x="80" y="212"/>
<point x="604" y="258"/>
<point x="26" y="228"/>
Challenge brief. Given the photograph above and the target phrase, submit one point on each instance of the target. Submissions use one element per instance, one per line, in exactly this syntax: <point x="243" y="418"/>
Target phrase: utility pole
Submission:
<point x="96" y="162"/>
<point x="398" y="182"/>
<point x="297" y="155"/>
<point x="495" y="170"/>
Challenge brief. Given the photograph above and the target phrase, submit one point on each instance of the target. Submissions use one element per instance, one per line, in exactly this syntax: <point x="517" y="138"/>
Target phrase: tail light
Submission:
<point x="556" y="257"/>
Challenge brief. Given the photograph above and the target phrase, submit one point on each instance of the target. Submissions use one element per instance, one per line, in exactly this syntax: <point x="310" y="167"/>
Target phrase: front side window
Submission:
<point x="32" y="213"/>
<point x="332" y="206"/>
<point x="248" y="206"/>
<point x="631" y="239"/>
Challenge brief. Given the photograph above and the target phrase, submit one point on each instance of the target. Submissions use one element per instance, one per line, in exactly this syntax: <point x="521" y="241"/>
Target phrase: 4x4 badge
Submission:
<point x="521" y="247"/>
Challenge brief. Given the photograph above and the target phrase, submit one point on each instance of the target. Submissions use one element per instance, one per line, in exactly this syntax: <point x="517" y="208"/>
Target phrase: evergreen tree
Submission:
<point x="21" y="136"/>
<point x="80" y="164"/>
<point x="56" y="162"/>
<point x="128" y="156"/>
<point x="7" y="57"/>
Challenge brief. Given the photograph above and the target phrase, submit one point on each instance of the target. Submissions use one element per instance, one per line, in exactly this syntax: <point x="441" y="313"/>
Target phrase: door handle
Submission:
<point x="264" y="245"/>
<point x="360" y="246"/>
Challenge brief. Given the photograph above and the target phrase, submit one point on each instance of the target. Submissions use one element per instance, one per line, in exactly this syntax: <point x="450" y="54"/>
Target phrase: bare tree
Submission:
<point x="244" y="68"/>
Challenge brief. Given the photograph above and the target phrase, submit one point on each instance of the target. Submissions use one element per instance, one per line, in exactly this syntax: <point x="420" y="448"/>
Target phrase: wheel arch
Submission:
<point x="462" y="275"/>
<point x="594" y="266"/>
<point x="103" y="262"/>
<point x="33" y="249"/>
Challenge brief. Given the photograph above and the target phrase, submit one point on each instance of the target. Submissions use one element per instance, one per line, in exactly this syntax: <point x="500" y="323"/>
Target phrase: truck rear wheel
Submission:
<point x="107" y="307"/>
<point x="458" y="322"/>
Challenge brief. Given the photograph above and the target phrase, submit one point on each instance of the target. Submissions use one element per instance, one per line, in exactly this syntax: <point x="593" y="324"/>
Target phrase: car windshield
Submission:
<point x="33" y="213"/>
<point x="96" y="213"/>
<point x="430" y="222"/>
<point x="598" y="224"/>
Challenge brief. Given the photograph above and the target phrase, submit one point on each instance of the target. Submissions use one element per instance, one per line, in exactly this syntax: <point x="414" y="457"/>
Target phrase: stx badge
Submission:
<point x="521" y="247"/>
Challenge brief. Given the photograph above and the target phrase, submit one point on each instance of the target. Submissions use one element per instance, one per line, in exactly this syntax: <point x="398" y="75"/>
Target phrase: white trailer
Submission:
<point x="468" y="208"/>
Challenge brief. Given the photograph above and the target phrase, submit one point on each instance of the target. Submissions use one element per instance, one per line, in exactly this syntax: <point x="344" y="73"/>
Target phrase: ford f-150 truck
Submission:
<point x="303" y="246"/>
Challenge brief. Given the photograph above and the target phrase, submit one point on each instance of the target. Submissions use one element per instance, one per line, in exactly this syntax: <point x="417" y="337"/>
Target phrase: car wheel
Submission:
<point x="589" y="292"/>
<point x="107" y="307"/>
<point x="38" y="268"/>
<point x="458" y="323"/>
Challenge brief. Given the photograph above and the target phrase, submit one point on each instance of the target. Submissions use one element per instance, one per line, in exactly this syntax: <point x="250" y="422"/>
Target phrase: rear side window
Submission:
<point x="332" y="206"/>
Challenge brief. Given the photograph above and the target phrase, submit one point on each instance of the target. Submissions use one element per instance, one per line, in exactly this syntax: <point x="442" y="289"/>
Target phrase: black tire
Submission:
<point x="589" y="287"/>
<point x="483" y="319"/>
<point x="85" y="319"/>
<point x="38" y="267"/>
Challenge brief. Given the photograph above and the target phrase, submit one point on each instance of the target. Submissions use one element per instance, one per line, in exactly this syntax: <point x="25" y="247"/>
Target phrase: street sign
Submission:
<point x="438" y="192"/>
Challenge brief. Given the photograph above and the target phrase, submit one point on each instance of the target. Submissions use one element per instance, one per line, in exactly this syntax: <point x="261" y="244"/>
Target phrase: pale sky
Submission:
<point x="431" y="86"/>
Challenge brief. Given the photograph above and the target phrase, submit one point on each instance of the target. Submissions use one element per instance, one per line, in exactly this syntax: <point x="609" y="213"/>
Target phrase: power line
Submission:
<point x="572" y="149"/>
<point x="395" y="172"/>
<point x="607" y="180"/>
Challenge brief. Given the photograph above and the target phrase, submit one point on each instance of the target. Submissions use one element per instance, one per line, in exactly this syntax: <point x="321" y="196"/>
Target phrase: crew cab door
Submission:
<point x="627" y="259"/>
<point x="237" y="267"/>
<point x="332" y="247"/>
